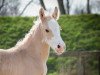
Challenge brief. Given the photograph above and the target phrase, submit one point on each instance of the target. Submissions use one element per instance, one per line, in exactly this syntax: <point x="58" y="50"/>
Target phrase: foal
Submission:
<point x="30" y="55"/>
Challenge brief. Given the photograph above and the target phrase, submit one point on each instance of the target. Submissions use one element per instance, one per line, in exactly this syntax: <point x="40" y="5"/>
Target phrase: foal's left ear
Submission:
<point x="41" y="13"/>
<point x="55" y="14"/>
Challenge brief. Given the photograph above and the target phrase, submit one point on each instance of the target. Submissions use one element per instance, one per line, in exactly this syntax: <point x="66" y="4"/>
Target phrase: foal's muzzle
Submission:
<point x="60" y="49"/>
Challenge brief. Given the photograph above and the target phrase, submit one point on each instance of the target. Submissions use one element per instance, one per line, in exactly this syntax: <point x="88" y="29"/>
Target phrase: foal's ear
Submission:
<point x="41" y="13"/>
<point x="55" y="14"/>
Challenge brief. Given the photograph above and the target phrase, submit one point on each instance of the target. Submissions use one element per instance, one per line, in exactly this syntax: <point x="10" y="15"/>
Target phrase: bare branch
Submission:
<point x="25" y="7"/>
<point x="42" y="4"/>
<point x="61" y="6"/>
<point x="3" y="1"/>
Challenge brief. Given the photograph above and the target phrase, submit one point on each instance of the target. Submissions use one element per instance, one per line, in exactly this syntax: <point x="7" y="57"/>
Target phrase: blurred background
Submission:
<point x="31" y="7"/>
<point x="80" y="23"/>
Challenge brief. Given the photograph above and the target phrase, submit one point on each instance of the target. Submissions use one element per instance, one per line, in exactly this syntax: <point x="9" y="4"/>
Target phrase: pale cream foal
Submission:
<point x="30" y="55"/>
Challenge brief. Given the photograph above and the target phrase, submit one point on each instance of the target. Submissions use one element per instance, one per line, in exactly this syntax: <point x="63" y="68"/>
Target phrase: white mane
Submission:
<point x="30" y="33"/>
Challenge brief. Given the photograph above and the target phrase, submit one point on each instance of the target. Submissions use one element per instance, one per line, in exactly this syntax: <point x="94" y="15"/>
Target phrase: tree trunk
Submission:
<point x="61" y="6"/>
<point x="68" y="7"/>
<point x="88" y="7"/>
<point x="3" y="1"/>
<point x="42" y="4"/>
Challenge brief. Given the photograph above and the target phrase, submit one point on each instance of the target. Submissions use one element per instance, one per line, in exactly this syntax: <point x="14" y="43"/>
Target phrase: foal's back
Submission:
<point x="9" y="63"/>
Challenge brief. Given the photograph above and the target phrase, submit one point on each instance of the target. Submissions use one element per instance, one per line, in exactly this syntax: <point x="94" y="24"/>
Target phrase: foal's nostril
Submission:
<point x="58" y="46"/>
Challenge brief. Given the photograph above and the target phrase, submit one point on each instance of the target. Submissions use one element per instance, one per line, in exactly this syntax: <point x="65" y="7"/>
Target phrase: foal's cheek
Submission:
<point x="49" y="36"/>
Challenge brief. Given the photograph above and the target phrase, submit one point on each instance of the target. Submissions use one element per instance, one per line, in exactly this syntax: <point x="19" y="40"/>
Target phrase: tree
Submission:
<point x="42" y="4"/>
<point x="88" y="7"/>
<point x="2" y="4"/>
<point x="61" y="6"/>
<point x="9" y="7"/>
<point x="25" y="7"/>
<point x="68" y="7"/>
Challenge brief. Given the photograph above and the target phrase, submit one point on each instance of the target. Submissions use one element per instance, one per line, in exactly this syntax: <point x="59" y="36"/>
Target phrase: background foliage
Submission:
<point x="81" y="32"/>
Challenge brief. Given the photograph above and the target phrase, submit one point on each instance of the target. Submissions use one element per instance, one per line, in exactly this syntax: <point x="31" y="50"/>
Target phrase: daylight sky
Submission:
<point x="33" y="8"/>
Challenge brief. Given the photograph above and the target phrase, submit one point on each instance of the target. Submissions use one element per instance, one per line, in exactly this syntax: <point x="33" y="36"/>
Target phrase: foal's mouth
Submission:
<point x="59" y="51"/>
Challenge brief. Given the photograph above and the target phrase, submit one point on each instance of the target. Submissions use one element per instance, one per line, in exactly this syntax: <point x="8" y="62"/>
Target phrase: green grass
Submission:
<point x="80" y="32"/>
<point x="13" y="29"/>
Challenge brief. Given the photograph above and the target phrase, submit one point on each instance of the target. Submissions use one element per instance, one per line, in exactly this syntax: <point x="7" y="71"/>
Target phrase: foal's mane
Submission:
<point x="32" y="30"/>
<point x="30" y="33"/>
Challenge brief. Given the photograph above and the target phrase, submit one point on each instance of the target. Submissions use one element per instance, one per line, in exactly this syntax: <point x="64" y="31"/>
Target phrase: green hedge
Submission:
<point x="80" y="32"/>
<point x="13" y="29"/>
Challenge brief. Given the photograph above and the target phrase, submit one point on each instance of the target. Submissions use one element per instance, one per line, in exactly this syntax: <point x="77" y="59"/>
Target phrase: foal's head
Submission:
<point x="51" y="31"/>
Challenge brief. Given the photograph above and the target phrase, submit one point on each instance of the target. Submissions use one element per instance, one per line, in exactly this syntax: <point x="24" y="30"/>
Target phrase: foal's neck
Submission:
<point x="35" y="46"/>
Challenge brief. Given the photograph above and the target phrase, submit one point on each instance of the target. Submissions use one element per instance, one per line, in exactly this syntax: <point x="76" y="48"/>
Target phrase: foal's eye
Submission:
<point x="47" y="30"/>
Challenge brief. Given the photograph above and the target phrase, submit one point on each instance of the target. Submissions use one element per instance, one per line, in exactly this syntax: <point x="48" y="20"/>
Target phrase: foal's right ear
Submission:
<point x="55" y="14"/>
<point x="41" y="14"/>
